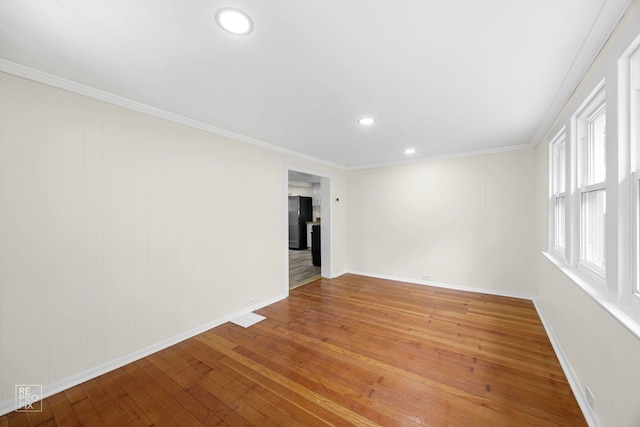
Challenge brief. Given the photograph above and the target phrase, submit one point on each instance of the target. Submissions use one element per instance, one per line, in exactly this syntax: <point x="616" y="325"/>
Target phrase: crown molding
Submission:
<point x="425" y="159"/>
<point x="78" y="88"/>
<point x="71" y="86"/>
<point x="609" y="16"/>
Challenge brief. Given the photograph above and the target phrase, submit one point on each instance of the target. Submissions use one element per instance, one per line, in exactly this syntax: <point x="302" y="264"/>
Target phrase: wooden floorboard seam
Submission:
<point x="347" y="351"/>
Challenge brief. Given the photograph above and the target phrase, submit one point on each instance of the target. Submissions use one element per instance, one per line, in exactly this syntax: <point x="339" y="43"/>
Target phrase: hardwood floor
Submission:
<point x="347" y="351"/>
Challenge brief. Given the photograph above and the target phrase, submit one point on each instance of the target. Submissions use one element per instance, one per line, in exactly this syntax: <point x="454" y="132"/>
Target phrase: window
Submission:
<point x="634" y="151"/>
<point x="558" y="190"/>
<point x="592" y="172"/>
<point x="636" y="243"/>
<point x="578" y="191"/>
<point x="594" y="193"/>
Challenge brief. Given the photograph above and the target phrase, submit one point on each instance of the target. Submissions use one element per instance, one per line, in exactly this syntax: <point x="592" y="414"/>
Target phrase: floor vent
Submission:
<point x="248" y="319"/>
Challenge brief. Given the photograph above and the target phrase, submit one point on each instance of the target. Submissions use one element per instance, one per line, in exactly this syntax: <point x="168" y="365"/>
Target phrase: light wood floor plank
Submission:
<point x="62" y="411"/>
<point x="348" y="351"/>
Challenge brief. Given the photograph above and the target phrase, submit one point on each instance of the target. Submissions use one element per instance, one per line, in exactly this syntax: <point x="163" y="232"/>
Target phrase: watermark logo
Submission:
<point x="29" y="398"/>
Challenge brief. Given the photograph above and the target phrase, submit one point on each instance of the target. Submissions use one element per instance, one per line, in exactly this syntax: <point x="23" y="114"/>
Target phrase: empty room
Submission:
<point x="463" y="178"/>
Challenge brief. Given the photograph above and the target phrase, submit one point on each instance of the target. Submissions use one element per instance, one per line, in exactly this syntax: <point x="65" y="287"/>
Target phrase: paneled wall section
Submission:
<point x="119" y="230"/>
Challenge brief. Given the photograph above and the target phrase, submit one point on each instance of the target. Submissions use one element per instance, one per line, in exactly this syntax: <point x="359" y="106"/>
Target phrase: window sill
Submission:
<point x="627" y="315"/>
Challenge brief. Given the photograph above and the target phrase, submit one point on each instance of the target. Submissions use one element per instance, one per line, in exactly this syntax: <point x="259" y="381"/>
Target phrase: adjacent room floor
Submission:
<point x="301" y="268"/>
<point x="347" y="351"/>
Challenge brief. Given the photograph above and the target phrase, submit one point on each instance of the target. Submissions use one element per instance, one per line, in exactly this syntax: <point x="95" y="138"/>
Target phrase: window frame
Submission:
<point x="633" y="81"/>
<point x="593" y="108"/>
<point x="635" y="251"/>
<point x="559" y="173"/>
<point x="619" y="292"/>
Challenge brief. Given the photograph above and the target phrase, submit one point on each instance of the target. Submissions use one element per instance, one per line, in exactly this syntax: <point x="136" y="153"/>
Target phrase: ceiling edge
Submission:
<point x="488" y="151"/>
<point x="603" y="26"/>
<point x="71" y="86"/>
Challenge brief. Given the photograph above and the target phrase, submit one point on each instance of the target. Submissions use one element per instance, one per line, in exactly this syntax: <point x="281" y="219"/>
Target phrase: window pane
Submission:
<point x="592" y="228"/>
<point x="637" y="239"/>
<point x="559" y="168"/>
<point x="562" y="167"/>
<point x="596" y="149"/>
<point x="559" y="223"/>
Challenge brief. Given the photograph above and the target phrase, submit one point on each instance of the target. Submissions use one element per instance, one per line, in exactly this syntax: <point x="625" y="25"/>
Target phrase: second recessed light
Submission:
<point x="366" y="121"/>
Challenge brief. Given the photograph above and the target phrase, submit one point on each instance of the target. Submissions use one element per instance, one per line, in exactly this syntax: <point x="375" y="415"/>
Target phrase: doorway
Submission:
<point x="311" y="259"/>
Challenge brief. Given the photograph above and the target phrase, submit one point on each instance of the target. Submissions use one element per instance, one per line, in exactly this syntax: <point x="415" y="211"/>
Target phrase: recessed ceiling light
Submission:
<point x="366" y="121"/>
<point x="410" y="151"/>
<point x="234" y="21"/>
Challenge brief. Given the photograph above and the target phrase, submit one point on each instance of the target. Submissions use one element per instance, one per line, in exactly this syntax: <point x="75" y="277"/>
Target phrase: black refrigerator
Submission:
<point x="300" y="211"/>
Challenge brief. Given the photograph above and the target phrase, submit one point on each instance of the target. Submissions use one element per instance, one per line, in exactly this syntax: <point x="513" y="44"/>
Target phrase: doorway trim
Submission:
<point x="325" y="212"/>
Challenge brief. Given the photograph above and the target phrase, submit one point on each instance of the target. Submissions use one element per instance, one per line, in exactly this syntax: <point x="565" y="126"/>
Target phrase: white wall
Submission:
<point x="119" y="230"/>
<point x="602" y="353"/>
<point x="300" y="190"/>
<point x="462" y="221"/>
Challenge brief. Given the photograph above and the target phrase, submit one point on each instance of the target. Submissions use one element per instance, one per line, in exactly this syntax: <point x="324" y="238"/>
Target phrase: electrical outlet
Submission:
<point x="426" y="277"/>
<point x="590" y="399"/>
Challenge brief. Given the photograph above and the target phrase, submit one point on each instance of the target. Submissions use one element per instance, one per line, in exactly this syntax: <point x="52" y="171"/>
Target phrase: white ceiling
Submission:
<point x="442" y="76"/>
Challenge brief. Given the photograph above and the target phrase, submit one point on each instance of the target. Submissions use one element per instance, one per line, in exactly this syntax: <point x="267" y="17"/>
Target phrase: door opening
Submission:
<point x="308" y="244"/>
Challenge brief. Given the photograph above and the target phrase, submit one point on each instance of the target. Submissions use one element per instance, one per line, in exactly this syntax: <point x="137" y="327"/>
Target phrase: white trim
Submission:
<point x="339" y="273"/>
<point x="627" y="178"/>
<point x="554" y="145"/>
<point x="66" y="383"/>
<point x="593" y="102"/>
<point x="593" y="272"/>
<point x="326" y="215"/>
<point x="629" y="160"/>
<point x="589" y="51"/>
<point x="71" y="86"/>
<point x="635" y="240"/>
<point x="593" y="187"/>
<point x="627" y="316"/>
<point x="425" y="159"/>
<point x="574" y="383"/>
<point x="51" y="389"/>
<point x="444" y="285"/>
<point x="581" y="140"/>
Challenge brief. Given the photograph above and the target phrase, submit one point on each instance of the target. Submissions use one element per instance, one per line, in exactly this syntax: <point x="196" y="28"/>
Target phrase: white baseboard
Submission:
<point x="574" y="383"/>
<point x="445" y="285"/>
<point x="66" y="383"/>
<point x="338" y="274"/>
